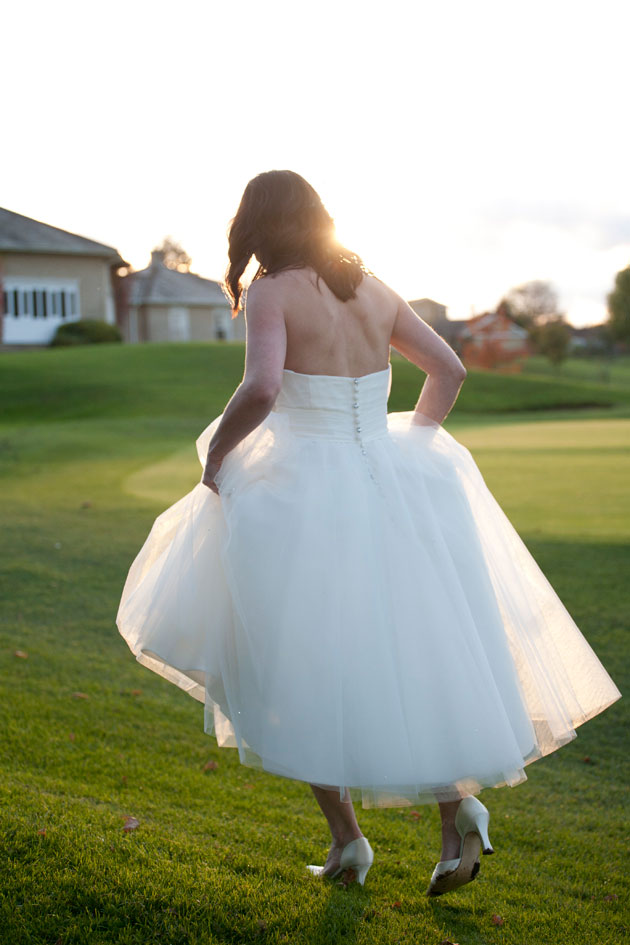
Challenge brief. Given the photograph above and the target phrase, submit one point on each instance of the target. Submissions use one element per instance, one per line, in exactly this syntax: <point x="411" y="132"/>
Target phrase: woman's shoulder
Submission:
<point x="380" y="292"/>
<point x="285" y="283"/>
<point x="272" y="282"/>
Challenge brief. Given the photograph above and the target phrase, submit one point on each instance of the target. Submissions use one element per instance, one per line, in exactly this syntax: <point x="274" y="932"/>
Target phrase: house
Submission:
<point x="434" y="314"/>
<point x="50" y="276"/>
<point x="163" y="304"/>
<point x="431" y="312"/>
<point x="589" y="339"/>
<point x="492" y="338"/>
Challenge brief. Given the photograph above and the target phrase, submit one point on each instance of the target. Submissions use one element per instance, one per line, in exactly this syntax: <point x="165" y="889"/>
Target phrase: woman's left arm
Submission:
<point x="265" y="351"/>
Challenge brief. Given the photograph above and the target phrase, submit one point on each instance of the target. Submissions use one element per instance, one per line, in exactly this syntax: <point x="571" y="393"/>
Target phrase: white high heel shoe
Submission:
<point x="471" y="823"/>
<point x="356" y="855"/>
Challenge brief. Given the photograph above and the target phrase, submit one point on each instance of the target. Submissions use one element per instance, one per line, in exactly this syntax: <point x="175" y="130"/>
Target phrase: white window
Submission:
<point x="178" y="324"/>
<point x="221" y="325"/>
<point x="33" y="308"/>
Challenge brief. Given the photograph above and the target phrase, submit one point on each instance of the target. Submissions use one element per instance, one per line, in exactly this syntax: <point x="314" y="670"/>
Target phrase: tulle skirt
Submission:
<point x="361" y="619"/>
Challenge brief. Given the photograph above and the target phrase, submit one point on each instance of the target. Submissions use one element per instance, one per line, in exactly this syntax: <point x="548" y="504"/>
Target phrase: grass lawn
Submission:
<point x="599" y="369"/>
<point x="94" y="443"/>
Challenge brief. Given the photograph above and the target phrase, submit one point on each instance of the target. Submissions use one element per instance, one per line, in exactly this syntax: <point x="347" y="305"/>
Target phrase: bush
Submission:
<point x="86" y="331"/>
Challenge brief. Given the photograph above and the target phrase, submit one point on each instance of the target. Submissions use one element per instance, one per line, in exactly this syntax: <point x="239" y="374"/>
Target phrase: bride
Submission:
<point x="341" y="589"/>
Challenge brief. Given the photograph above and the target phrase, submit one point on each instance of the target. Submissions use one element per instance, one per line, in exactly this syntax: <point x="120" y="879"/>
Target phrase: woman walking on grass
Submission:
<point x="341" y="590"/>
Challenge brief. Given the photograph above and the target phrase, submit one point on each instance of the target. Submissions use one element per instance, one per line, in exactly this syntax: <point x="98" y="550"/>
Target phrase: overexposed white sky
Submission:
<point x="462" y="148"/>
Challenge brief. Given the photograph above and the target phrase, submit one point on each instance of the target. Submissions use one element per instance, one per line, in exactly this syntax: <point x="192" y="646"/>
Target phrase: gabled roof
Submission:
<point x="496" y="324"/>
<point x="20" y="234"/>
<point x="158" y="285"/>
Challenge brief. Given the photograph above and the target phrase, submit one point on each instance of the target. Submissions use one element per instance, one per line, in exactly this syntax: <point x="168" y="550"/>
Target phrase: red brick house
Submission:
<point x="492" y="338"/>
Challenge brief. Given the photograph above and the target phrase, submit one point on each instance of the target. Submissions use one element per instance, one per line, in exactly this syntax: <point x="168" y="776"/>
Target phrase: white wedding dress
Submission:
<point x="356" y="610"/>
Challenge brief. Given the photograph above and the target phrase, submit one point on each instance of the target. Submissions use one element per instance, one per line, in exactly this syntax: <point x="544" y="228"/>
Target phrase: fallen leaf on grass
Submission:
<point x="415" y="814"/>
<point x="71" y="736"/>
<point x="497" y="920"/>
<point x="588" y="760"/>
<point x="21" y="654"/>
<point x="131" y="823"/>
<point x="248" y="785"/>
<point x="86" y="505"/>
<point x="210" y="766"/>
<point x="395" y="905"/>
<point x="123" y="778"/>
<point x="42" y="830"/>
<point x="80" y="695"/>
<point x="136" y="692"/>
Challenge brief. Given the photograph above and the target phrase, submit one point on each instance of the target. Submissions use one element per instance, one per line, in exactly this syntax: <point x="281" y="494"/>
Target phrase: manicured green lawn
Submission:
<point x="194" y="380"/>
<point x="95" y="443"/>
<point x="599" y="369"/>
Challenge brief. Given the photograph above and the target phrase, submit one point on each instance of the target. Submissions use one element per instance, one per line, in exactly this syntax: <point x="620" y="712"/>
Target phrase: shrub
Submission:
<point x="86" y="331"/>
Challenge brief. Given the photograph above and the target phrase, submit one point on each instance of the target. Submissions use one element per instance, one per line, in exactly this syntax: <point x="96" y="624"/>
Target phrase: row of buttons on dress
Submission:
<point x="357" y="428"/>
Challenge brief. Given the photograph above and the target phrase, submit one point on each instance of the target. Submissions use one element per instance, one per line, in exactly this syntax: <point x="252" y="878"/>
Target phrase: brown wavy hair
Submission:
<point x="282" y="221"/>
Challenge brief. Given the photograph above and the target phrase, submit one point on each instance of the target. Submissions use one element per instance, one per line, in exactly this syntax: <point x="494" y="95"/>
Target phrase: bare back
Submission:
<point x="328" y="336"/>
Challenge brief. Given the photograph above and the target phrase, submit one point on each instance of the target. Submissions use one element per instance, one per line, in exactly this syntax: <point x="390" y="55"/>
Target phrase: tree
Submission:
<point x="618" y="323"/>
<point x="531" y="303"/>
<point x="534" y="306"/>
<point x="173" y="255"/>
<point x="552" y="338"/>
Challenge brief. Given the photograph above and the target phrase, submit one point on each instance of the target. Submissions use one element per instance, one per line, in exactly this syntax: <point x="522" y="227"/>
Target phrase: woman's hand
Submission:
<point x="211" y="469"/>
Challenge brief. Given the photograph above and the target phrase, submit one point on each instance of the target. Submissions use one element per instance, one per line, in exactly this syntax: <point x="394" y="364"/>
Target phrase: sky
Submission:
<point x="461" y="148"/>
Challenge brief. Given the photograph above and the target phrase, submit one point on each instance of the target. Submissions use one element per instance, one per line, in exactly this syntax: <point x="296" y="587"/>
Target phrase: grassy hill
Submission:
<point x="196" y="380"/>
<point x="597" y="369"/>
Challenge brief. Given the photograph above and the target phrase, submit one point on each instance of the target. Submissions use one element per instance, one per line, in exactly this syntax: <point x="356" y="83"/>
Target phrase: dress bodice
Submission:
<point x="336" y="406"/>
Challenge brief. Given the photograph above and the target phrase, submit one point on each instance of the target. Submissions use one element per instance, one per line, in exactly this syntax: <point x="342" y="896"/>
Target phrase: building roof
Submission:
<point x="496" y="324"/>
<point x="158" y="285"/>
<point x="20" y="234"/>
<point x="432" y="312"/>
<point x="426" y="301"/>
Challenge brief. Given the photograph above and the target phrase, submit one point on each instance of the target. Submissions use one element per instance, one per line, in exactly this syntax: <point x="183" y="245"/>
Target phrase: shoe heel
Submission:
<point x="481" y="822"/>
<point x="481" y="826"/>
<point x="473" y="816"/>
<point x="358" y="856"/>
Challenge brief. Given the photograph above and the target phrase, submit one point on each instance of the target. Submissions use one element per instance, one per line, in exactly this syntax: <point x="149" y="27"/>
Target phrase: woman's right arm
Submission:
<point x="417" y="341"/>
